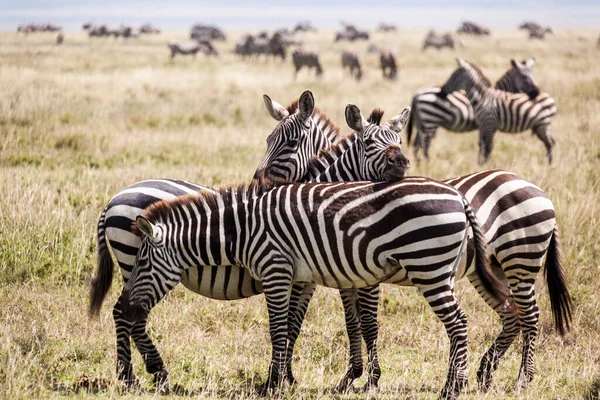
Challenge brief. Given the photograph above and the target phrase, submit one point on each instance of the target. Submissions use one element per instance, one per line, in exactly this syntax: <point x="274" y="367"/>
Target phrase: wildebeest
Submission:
<point x="383" y="27"/>
<point x="206" y="31"/>
<point x="32" y="28"/>
<point x="373" y="48"/>
<point x="351" y="33"/>
<point x="148" y="28"/>
<point x="351" y="62"/>
<point x="434" y="40"/>
<point x="60" y="38"/>
<point x="250" y="45"/>
<point x="303" y="58"/>
<point x="388" y="64"/>
<point x="539" y="33"/>
<point x="304" y="26"/>
<point x="472" y="28"/>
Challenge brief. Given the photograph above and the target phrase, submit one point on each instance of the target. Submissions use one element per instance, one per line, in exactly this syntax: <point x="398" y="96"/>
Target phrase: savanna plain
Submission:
<point x="81" y="121"/>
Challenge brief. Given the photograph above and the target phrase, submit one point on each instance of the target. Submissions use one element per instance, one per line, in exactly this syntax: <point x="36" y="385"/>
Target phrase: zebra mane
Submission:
<point x="375" y="117"/>
<point x="326" y="157"/>
<point x="325" y="123"/>
<point x="449" y="86"/>
<point x="480" y="74"/>
<point x="160" y="211"/>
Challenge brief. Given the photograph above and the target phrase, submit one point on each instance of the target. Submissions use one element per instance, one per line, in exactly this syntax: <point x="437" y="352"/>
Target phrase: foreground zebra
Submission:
<point x="520" y="227"/>
<point x="499" y="110"/>
<point x="430" y="109"/>
<point x="352" y="63"/>
<point x="229" y="283"/>
<point x="319" y="233"/>
<point x="302" y="58"/>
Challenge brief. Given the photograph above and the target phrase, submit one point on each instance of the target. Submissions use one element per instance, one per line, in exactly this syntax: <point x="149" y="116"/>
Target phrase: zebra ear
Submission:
<point x="462" y="63"/>
<point x="530" y="62"/>
<point x="276" y="110"/>
<point x="306" y="105"/>
<point x="398" y="122"/>
<point x="146" y="228"/>
<point x="354" y="118"/>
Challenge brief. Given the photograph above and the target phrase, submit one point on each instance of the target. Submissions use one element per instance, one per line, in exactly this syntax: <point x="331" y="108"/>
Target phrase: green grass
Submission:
<point x="81" y="121"/>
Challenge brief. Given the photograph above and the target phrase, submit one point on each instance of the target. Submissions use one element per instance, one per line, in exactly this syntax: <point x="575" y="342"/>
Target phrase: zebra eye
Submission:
<point x="293" y="142"/>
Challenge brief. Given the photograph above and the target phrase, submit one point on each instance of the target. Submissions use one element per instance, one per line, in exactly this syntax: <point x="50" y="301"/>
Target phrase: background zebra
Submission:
<point x="249" y="228"/>
<point x="388" y="65"/>
<point x="499" y="110"/>
<point x="434" y="40"/>
<point x="191" y="47"/>
<point x="351" y="61"/>
<point x="471" y="28"/>
<point x="302" y="58"/>
<point x="454" y="111"/>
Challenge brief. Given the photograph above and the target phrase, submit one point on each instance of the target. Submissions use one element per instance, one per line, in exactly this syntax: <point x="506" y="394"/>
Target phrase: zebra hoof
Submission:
<point x="265" y="389"/>
<point x="452" y="389"/>
<point x="371" y="388"/>
<point x="522" y="384"/>
<point x="161" y="381"/>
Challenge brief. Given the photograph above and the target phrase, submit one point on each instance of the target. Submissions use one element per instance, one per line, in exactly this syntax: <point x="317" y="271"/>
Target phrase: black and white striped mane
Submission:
<point x="375" y="117"/>
<point x="481" y="79"/>
<point x="326" y="124"/>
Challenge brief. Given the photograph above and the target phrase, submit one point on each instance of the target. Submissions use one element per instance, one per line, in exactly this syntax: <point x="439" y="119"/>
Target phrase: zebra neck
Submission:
<point x="324" y="131"/>
<point x="336" y="163"/>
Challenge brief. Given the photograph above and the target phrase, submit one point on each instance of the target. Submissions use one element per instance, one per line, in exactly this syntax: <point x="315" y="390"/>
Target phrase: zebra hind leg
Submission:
<point x="510" y="330"/>
<point x="543" y="132"/>
<point x="352" y="316"/>
<point x="154" y="363"/>
<point x="124" y="367"/>
<point x="368" y="299"/>
<point x="300" y="297"/>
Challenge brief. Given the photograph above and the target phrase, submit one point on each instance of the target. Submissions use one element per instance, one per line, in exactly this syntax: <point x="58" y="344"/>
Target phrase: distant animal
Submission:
<point x="148" y="28"/>
<point x="373" y="48"/>
<point x="539" y="33"/>
<point x="304" y="26"/>
<point x="32" y="28"/>
<point x="250" y="46"/>
<point x="388" y="64"/>
<point x="530" y="25"/>
<point x="497" y="110"/>
<point x="351" y="33"/>
<point x="471" y="28"/>
<point x="351" y="62"/>
<point x="302" y="58"/>
<point x="60" y="38"/>
<point x="191" y="47"/>
<point x="383" y="27"/>
<point x="433" y="40"/>
<point x="210" y="32"/>
<point x="454" y="112"/>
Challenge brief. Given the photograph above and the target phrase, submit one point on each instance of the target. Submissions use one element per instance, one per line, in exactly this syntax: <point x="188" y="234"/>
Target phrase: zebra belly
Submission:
<point x="221" y="283"/>
<point x="371" y="275"/>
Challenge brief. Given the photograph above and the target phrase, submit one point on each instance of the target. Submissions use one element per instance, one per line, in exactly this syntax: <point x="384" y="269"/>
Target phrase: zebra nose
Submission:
<point x="397" y="159"/>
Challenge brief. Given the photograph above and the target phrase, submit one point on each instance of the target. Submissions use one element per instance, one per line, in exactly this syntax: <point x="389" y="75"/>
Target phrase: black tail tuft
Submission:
<point x="104" y="275"/>
<point x="560" y="298"/>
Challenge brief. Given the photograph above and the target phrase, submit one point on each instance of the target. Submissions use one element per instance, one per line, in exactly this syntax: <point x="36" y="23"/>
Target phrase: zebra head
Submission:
<point x="295" y="139"/>
<point x="380" y="145"/>
<point x="522" y="77"/>
<point x="155" y="272"/>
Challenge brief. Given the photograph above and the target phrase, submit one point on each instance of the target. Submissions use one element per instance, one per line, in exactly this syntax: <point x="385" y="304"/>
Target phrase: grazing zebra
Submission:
<point x="388" y="64"/>
<point x="519" y="224"/>
<point x="302" y="58"/>
<point x="339" y="235"/>
<point x="191" y="47"/>
<point x="454" y="112"/>
<point x="433" y="40"/>
<point x="499" y="110"/>
<point x="350" y="60"/>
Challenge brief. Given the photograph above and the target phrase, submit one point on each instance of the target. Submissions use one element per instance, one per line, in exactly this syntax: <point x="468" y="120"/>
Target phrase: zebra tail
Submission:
<point x="495" y="287"/>
<point x="409" y="128"/>
<point x="560" y="298"/>
<point x="104" y="275"/>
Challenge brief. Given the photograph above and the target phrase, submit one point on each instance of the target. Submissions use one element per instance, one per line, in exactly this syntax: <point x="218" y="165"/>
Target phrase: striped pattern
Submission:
<point x="454" y="112"/>
<point x="187" y="47"/>
<point x="498" y="110"/>
<point x="320" y="233"/>
<point x="433" y="40"/>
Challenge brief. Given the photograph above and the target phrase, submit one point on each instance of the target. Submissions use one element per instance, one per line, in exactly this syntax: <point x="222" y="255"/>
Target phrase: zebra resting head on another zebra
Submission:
<point x="340" y="235"/>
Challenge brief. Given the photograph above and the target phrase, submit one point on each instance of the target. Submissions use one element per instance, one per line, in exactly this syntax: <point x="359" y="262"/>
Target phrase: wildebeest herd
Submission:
<point x="339" y="211"/>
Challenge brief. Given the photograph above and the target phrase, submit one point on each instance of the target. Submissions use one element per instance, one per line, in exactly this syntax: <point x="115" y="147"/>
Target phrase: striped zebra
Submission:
<point x="434" y="40"/>
<point x="454" y="111"/>
<point x="388" y="65"/>
<point x="302" y="58"/>
<point x="318" y="233"/>
<point x="499" y="110"/>
<point x="520" y="227"/>
<point x="351" y="61"/>
<point x="187" y="47"/>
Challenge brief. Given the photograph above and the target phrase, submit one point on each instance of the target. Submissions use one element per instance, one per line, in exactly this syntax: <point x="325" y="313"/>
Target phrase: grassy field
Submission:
<point x="81" y="121"/>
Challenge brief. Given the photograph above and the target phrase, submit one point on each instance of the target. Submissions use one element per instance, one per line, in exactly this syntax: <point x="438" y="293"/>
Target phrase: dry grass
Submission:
<point x="81" y="121"/>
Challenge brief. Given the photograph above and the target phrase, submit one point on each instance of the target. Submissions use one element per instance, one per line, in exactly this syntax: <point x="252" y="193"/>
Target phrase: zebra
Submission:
<point x="472" y="28"/>
<point x="351" y="61"/>
<point x="539" y="33"/>
<point x="318" y="233"/>
<point x="191" y="47"/>
<point x="302" y="58"/>
<point x="515" y="213"/>
<point x="499" y="110"/>
<point x="454" y="112"/>
<point x="433" y="40"/>
<point x="388" y="64"/>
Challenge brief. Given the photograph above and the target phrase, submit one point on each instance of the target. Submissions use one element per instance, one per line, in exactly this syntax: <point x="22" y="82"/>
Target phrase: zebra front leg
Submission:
<point x="368" y="299"/>
<point x="486" y="142"/>
<point x="442" y="300"/>
<point x="300" y="297"/>
<point x="510" y="330"/>
<point x="123" y="329"/>
<point x="427" y="137"/>
<point x="543" y="132"/>
<point x="277" y="285"/>
<point x="352" y="317"/>
<point x="152" y="359"/>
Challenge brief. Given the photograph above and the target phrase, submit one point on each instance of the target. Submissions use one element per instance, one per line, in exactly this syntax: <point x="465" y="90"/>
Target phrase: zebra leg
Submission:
<point x="124" y="367"/>
<point x="277" y="285"/>
<point x="428" y="135"/>
<point x="486" y="142"/>
<point x="368" y="299"/>
<point x="442" y="300"/>
<point x="352" y="316"/>
<point x="510" y="330"/>
<point x="543" y="132"/>
<point x="154" y="363"/>
<point x="300" y="297"/>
